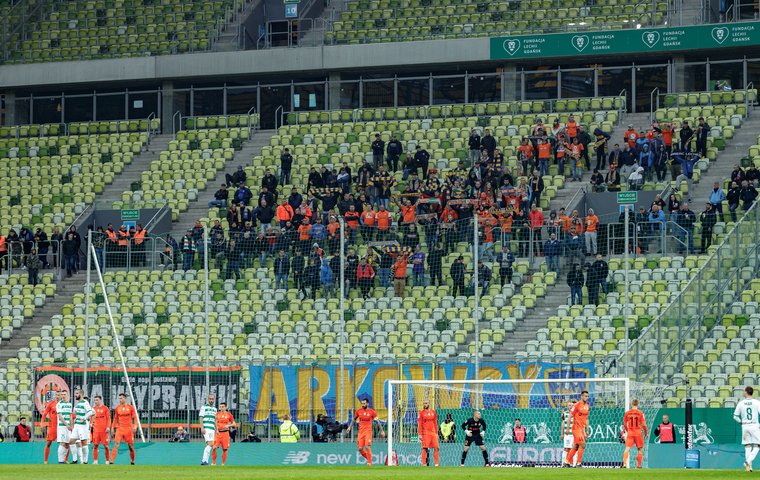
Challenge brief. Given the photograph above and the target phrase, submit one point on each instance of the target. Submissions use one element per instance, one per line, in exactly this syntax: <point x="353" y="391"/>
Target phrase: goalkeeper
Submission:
<point x="474" y="429"/>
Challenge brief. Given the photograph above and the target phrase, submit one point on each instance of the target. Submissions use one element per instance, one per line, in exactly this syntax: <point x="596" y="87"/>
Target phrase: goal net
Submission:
<point x="537" y="405"/>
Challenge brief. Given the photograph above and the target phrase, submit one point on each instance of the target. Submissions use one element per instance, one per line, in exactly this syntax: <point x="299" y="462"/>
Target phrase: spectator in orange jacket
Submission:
<point x="592" y="222"/>
<point x="284" y="213"/>
<point x="536" y="221"/>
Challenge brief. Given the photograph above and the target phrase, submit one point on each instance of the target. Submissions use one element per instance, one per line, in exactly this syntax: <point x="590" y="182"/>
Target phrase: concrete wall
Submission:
<point x="223" y="64"/>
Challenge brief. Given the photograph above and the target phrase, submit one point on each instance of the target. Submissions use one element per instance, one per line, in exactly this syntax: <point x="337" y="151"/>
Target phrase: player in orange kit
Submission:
<point x="52" y="427"/>
<point x="100" y="428"/>
<point x="580" y="423"/>
<point x="125" y="425"/>
<point x="224" y="421"/>
<point x="427" y="429"/>
<point x="365" y="416"/>
<point x="634" y="424"/>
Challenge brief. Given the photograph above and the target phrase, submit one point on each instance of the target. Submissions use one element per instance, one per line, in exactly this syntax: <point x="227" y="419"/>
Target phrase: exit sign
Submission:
<point x="624" y="198"/>
<point x="131" y="214"/>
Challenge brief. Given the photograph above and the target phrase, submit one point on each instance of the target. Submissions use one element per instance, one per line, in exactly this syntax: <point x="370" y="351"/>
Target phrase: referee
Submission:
<point x="474" y="429"/>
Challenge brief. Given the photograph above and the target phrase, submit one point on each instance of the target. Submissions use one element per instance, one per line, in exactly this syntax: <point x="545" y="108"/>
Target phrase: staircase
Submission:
<point x="736" y="148"/>
<point x="535" y="319"/>
<point x="229" y="38"/>
<point x="53" y="306"/>
<point x="565" y="195"/>
<point x="199" y="208"/>
<point x="133" y="171"/>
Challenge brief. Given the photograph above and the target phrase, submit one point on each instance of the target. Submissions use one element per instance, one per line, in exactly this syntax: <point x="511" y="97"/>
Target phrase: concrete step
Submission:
<point x="199" y="208"/>
<point x="736" y="148"/>
<point x="133" y="171"/>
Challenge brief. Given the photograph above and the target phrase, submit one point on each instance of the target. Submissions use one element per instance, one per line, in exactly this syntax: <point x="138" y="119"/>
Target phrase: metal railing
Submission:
<point x="673" y="99"/>
<point x="458" y="110"/>
<point x="664" y="344"/>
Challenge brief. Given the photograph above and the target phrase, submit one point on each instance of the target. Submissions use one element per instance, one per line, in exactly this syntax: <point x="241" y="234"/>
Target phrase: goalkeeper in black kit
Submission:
<point x="474" y="429"/>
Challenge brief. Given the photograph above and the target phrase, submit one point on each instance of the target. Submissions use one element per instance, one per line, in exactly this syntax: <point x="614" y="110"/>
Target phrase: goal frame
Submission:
<point x="396" y="383"/>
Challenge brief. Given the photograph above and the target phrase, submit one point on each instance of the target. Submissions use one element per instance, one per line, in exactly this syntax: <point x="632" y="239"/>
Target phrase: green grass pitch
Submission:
<point x="122" y="472"/>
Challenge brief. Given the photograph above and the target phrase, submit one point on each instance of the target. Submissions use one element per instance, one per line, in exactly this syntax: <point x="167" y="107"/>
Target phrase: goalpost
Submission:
<point x="539" y="404"/>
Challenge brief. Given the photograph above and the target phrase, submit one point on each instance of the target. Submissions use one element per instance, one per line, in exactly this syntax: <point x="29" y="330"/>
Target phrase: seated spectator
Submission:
<point x="597" y="181"/>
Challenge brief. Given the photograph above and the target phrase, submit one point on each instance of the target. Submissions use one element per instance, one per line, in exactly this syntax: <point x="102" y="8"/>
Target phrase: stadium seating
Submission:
<point x="331" y="138"/>
<point x="367" y="21"/>
<point x="76" y="161"/>
<point x="18" y="300"/>
<point x="90" y="29"/>
<point x="190" y="162"/>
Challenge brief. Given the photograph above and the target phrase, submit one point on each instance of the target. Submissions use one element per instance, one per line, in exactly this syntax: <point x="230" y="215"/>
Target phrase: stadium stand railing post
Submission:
<point x="88" y="288"/>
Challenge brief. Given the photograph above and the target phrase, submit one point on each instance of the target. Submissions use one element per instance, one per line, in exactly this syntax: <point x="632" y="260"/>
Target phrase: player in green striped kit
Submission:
<point x="81" y="433"/>
<point x="208" y="421"/>
<point x="63" y="411"/>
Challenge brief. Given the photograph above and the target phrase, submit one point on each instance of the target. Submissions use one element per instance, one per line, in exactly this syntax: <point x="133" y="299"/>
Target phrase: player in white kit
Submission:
<point x="747" y="413"/>
<point x="81" y="434"/>
<point x="208" y="421"/>
<point x="63" y="411"/>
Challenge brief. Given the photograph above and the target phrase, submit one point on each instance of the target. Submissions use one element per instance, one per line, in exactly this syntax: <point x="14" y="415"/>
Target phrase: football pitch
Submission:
<point x="120" y="472"/>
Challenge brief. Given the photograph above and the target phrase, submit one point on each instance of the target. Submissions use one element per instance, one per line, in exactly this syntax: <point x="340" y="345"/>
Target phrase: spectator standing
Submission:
<point x="378" y="151"/>
<point x="435" y="262"/>
<point x="575" y="248"/>
<point x="707" y="220"/>
<point x="395" y="149"/>
<point x="281" y="270"/>
<point x="33" y="265"/>
<point x="474" y="143"/>
<point x="418" y="267"/>
<point x="310" y="279"/>
<point x="188" y="250"/>
<point x="365" y="276"/>
<point x="747" y="194"/>
<point x="600" y="147"/>
<point x="505" y="260"/>
<point x="484" y="277"/>
<point x="733" y="197"/>
<point x="717" y="197"/>
<point x="665" y="431"/>
<point x="286" y="164"/>
<point x="674" y="205"/>
<point x="297" y="265"/>
<point x="575" y="281"/>
<point x="457" y="273"/>
<point x="327" y="279"/>
<point x="592" y="225"/>
<point x="399" y="274"/>
<point x="422" y="160"/>
<point x="537" y="220"/>
<point x="552" y="250"/>
<point x="585" y="140"/>
<point x="536" y="188"/>
<point x="384" y="271"/>
<point x="22" y="432"/>
<point x="686" y="219"/>
<point x="488" y="142"/>
<point x="70" y="252"/>
<point x="703" y="131"/>
<point x="233" y="260"/>
<point x="43" y="246"/>
<point x="597" y="278"/>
